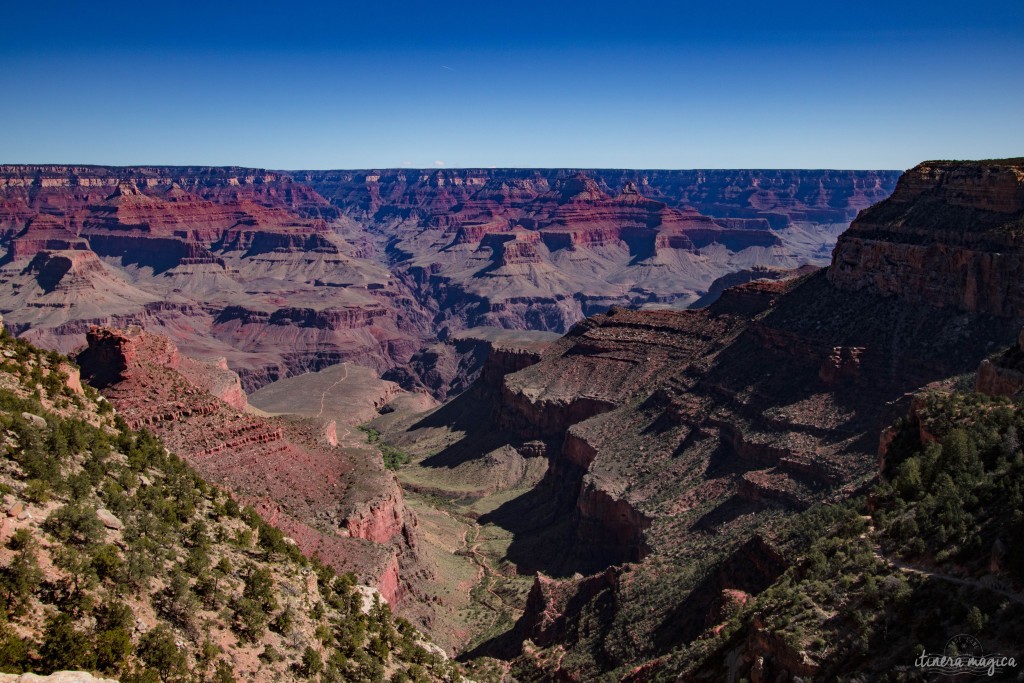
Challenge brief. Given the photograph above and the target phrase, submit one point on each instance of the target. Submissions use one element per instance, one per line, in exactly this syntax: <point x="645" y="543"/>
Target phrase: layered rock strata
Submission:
<point x="286" y="273"/>
<point x="240" y="264"/>
<point x="952" y="235"/>
<point x="674" y="437"/>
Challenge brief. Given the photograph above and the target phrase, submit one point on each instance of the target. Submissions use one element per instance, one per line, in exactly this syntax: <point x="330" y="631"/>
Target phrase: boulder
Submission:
<point x="57" y="677"/>
<point x="35" y="420"/>
<point x="109" y="520"/>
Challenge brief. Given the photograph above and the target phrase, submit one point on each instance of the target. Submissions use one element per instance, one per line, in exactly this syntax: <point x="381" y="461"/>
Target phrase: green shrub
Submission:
<point x="159" y="652"/>
<point x="75" y="523"/>
<point x="64" y="647"/>
<point x="312" y="663"/>
<point x="21" y="578"/>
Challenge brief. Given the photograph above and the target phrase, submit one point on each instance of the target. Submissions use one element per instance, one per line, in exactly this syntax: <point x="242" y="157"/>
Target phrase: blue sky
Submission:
<point x="599" y="84"/>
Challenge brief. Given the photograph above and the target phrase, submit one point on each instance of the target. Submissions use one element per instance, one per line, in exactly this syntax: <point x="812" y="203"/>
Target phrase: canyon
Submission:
<point x="285" y="273"/>
<point x="603" y="468"/>
<point x="660" y="451"/>
<point x="188" y="290"/>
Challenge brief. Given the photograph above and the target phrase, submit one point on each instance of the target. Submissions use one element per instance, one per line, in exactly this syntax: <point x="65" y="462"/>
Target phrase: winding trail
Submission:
<point x="481" y="562"/>
<point x="908" y="568"/>
<point x="471" y="547"/>
<point x="323" y="396"/>
<point x="974" y="583"/>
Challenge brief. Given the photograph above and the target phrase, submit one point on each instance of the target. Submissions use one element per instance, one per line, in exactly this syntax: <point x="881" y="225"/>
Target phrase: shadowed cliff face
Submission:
<point x="284" y="273"/>
<point x="674" y="439"/>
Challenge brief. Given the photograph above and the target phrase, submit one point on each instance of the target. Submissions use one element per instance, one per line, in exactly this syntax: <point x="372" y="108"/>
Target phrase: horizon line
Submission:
<point x="436" y="169"/>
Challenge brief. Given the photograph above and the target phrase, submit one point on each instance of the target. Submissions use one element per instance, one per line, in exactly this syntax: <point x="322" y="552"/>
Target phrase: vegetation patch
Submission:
<point x="119" y="559"/>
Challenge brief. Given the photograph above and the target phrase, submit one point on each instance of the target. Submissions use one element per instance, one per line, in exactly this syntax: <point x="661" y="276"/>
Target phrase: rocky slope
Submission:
<point x="120" y="560"/>
<point x="337" y="502"/>
<point x="674" y="439"/>
<point x="874" y="582"/>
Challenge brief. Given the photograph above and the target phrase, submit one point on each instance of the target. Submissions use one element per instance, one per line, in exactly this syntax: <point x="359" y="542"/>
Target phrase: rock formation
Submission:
<point x="230" y="263"/>
<point x="671" y="437"/>
<point x="950" y="236"/>
<point x="446" y="369"/>
<point x="542" y="250"/>
<point x="282" y="274"/>
<point x="1003" y="375"/>
<point x="338" y="503"/>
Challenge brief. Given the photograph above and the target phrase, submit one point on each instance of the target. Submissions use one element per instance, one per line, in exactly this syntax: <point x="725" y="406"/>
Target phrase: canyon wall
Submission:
<point x="748" y="197"/>
<point x="542" y="249"/>
<point x="285" y="273"/>
<point x="680" y="435"/>
<point x="952" y="235"/>
<point x="241" y="264"/>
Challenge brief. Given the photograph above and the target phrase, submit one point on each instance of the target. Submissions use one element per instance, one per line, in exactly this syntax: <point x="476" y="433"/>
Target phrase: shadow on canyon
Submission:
<point x="470" y="414"/>
<point x="543" y="521"/>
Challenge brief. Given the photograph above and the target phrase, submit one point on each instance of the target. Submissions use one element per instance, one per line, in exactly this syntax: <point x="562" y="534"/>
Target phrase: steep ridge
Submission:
<point x="120" y="560"/>
<point x="675" y="439"/>
<point x="338" y="503"/>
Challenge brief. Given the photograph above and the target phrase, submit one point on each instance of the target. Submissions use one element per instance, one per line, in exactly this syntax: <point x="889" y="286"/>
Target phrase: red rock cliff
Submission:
<point x="951" y="235"/>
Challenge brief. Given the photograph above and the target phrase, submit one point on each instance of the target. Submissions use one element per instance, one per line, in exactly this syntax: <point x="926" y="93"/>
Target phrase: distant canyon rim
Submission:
<point x="282" y="273"/>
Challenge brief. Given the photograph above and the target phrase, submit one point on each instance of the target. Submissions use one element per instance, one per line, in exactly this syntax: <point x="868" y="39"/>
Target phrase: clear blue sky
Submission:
<point x="601" y="84"/>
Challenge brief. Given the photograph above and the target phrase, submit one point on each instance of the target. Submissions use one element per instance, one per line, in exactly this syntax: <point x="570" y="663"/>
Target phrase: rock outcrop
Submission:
<point x="338" y="503"/>
<point x="57" y="677"/>
<point x="950" y="236"/>
<point x="1003" y="375"/>
<point x="489" y="353"/>
<point x="552" y="605"/>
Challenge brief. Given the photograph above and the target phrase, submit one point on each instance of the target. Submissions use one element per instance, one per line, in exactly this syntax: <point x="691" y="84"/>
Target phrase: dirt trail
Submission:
<point x="974" y="583"/>
<point x="481" y="562"/>
<point x="908" y="568"/>
<point x="471" y="547"/>
<point x="323" y="396"/>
